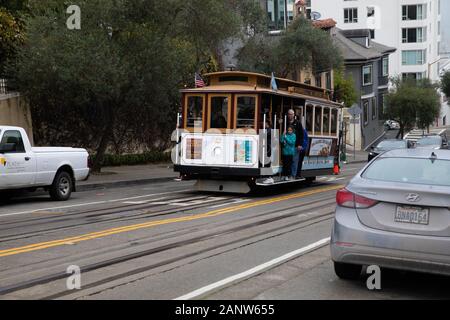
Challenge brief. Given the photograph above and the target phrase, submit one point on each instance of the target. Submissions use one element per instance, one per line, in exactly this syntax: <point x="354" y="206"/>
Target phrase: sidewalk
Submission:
<point x="129" y="175"/>
<point x="361" y="156"/>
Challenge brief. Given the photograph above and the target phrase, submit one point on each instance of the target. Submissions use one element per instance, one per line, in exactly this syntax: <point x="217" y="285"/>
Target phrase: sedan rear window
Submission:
<point x="429" y="141"/>
<point x="407" y="170"/>
<point x="392" y="144"/>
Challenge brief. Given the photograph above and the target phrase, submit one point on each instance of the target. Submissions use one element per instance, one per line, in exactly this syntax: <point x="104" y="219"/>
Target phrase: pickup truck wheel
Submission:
<point x="62" y="186"/>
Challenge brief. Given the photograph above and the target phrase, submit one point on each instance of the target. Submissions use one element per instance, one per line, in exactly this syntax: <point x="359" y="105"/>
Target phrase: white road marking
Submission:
<point x="90" y="203"/>
<point x="254" y="271"/>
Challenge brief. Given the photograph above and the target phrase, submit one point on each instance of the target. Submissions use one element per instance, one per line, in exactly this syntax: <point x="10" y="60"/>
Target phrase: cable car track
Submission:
<point x="177" y="244"/>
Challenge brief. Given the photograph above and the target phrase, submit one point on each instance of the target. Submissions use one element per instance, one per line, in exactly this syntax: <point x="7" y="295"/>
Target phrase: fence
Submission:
<point x="3" y="86"/>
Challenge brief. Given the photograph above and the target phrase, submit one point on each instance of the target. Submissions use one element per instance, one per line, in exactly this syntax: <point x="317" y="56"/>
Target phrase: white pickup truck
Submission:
<point x="25" y="167"/>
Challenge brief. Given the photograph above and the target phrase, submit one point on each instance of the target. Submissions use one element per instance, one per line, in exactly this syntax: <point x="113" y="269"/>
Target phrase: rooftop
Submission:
<point x="353" y="51"/>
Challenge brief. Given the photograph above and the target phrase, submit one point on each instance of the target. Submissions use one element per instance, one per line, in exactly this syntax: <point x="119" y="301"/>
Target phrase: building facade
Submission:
<point x="445" y="28"/>
<point x="412" y="26"/>
<point x="367" y="62"/>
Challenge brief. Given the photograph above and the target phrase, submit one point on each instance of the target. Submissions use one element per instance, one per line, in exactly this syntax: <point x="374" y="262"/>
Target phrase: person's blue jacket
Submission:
<point x="288" y="141"/>
<point x="305" y="143"/>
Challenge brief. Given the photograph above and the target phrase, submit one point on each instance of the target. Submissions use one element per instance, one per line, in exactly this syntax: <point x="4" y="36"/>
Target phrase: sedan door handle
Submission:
<point x="27" y="158"/>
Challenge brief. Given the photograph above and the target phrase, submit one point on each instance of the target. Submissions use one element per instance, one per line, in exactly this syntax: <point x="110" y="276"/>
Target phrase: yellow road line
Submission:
<point x="113" y="231"/>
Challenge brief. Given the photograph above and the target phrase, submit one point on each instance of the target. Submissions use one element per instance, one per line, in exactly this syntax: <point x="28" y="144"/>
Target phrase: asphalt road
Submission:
<point x="164" y="241"/>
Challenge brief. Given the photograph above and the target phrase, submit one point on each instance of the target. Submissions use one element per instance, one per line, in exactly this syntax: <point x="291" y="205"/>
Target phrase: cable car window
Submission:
<point x="245" y="112"/>
<point x="334" y="121"/>
<point x="194" y="114"/>
<point x="326" y="121"/>
<point x="309" y="117"/>
<point x="318" y="120"/>
<point x="219" y="113"/>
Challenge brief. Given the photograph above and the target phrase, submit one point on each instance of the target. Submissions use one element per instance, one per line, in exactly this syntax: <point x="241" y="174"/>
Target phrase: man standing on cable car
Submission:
<point x="302" y="152"/>
<point x="299" y="132"/>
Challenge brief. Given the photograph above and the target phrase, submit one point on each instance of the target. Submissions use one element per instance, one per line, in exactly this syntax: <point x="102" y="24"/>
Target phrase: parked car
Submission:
<point x="395" y="214"/>
<point x="433" y="142"/>
<point x="391" y="125"/>
<point x="25" y="167"/>
<point x="388" y="145"/>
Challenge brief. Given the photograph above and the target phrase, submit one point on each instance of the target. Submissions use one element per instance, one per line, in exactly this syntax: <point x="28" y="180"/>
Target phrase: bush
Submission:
<point x="113" y="160"/>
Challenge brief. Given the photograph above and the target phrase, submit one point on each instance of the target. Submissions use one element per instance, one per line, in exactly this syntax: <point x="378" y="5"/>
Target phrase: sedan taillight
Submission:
<point x="347" y="199"/>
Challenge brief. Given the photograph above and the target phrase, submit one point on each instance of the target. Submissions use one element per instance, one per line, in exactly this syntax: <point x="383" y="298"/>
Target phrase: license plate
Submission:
<point x="412" y="215"/>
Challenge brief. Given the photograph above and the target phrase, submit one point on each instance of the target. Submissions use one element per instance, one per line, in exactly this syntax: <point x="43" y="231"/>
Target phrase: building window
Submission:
<point x="372" y="34"/>
<point x="414" y="35"/>
<point x="374" y="108"/>
<point x="413" y="75"/>
<point x="414" y="12"/>
<point x="383" y="106"/>
<point x="319" y="80"/>
<point x="366" y="112"/>
<point x="279" y="13"/>
<point x="350" y="15"/>
<point x="413" y="57"/>
<point x="367" y="75"/>
<point x="439" y="28"/>
<point x="385" y="67"/>
<point x="328" y="80"/>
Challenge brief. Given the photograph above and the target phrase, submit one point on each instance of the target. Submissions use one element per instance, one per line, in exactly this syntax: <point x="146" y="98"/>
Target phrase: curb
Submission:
<point x="123" y="183"/>
<point x="357" y="161"/>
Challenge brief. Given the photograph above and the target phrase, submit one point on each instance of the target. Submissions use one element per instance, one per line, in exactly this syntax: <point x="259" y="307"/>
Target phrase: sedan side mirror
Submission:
<point x="7" y="147"/>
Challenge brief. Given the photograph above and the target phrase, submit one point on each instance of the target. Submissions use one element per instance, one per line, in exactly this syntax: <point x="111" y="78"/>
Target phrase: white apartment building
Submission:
<point x="411" y="26"/>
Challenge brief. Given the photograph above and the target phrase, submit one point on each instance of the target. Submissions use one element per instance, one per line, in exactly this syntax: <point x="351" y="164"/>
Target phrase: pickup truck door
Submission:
<point x="17" y="167"/>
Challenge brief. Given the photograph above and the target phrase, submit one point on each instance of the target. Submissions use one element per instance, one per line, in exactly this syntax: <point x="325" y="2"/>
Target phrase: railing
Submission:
<point x="3" y="86"/>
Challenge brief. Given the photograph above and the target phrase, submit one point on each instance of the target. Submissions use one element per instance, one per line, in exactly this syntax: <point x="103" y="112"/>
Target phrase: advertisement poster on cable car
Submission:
<point x="194" y="149"/>
<point x="320" y="147"/>
<point x="243" y="152"/>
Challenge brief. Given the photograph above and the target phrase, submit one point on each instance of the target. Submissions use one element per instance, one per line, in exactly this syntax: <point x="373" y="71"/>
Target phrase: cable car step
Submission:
<point x="277" y="181"/>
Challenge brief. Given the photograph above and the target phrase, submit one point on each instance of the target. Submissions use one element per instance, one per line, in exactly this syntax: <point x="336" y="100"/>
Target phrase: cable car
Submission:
<point x="228" y="133"/>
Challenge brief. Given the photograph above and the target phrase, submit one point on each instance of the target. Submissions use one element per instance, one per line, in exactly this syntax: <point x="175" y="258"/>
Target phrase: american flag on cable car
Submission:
<point x="199" y="82"/>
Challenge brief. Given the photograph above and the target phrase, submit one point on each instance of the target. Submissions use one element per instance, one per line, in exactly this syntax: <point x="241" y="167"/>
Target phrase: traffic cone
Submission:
<point x="336" y="170"/>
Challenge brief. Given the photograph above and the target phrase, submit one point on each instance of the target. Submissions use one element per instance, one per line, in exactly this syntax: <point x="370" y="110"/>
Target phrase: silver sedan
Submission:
<point x="396" y="214"/>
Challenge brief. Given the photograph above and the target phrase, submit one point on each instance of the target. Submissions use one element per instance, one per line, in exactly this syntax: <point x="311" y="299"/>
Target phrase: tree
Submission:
<point x="445" y="83"/>
<point x="302" y="46"/>
<point x="115" y="81"/>
<point x="11" y="35"/>
<point x="413" y="103"/>
<point x="344" y="88"/>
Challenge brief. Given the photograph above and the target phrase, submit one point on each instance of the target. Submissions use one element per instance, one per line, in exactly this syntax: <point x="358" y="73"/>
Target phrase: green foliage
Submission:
<point x="112" y="160"/>
<point x="413" y="103"/>
<point x="344" y="88"/>
<point x="445" y="84"/>
<point x="11" y="35"/>
<point x="114" y="83"/>
<point x="301" y="46"/>
<point x="14" y="6"/>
